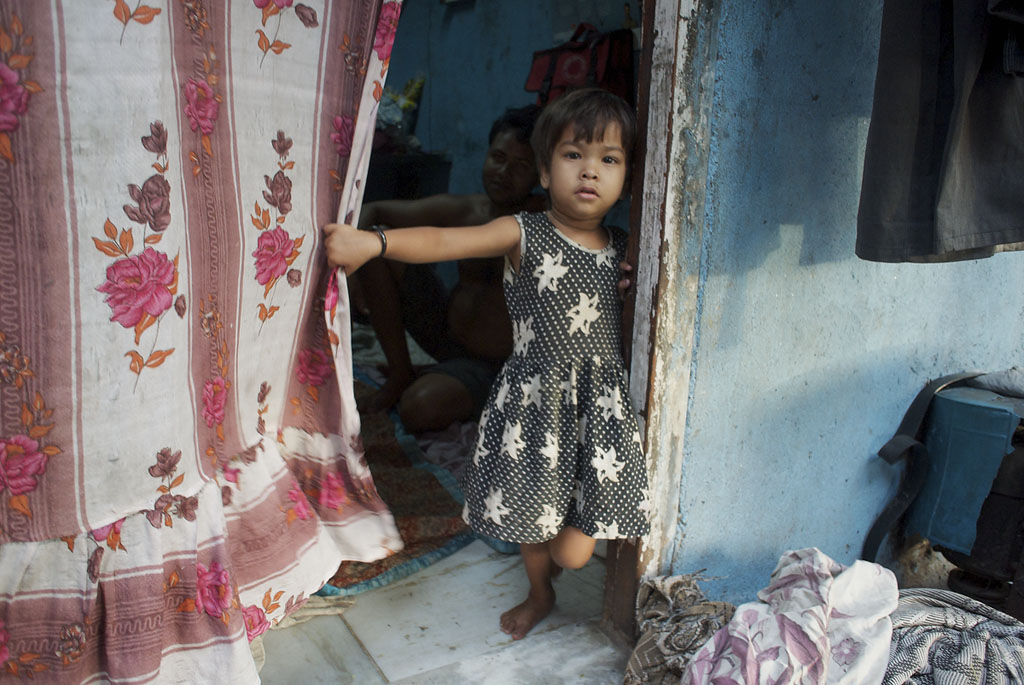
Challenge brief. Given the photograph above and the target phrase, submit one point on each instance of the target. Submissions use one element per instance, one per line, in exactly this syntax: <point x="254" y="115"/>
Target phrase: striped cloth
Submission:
<point x="942" y="637"/>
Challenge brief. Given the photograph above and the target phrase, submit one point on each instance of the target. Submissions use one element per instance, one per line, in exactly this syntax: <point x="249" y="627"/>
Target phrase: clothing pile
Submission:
<point x="821" y="622"/>
<point x="675" y="621"/>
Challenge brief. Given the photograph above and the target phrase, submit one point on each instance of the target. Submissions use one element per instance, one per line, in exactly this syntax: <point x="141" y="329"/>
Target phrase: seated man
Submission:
<point x="466" y="330"/>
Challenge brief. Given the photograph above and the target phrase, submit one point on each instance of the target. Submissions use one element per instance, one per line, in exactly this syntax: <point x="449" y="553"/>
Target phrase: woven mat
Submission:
<point x="424" y="499"/>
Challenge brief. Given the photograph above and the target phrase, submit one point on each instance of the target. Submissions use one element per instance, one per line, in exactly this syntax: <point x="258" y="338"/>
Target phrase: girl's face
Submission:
<point x="585" y="179"/>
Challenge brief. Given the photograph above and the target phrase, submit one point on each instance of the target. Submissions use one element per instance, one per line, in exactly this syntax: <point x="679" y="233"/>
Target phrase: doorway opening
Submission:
<point x="456" y="66"/>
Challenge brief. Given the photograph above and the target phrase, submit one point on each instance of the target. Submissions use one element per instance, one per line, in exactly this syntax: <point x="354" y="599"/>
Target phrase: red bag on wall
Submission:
<point x="590" y="58"/>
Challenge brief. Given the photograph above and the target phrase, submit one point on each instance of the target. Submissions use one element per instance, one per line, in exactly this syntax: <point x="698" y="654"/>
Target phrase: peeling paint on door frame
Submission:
<point x="666" y="238"/>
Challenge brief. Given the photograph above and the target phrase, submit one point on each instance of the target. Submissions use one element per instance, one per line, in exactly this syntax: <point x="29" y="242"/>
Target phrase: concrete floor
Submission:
<point x="441" y="626"/>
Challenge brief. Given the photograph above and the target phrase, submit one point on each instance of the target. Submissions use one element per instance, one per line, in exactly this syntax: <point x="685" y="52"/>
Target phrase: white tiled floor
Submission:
<point x="441" y="626"/>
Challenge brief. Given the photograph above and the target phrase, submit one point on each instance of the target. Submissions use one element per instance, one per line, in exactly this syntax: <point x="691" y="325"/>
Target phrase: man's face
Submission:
<point x="509" y="172"/>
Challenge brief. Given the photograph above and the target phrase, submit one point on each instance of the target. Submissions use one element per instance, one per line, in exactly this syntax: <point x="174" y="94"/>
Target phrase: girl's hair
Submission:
<point x="590" y="111"/>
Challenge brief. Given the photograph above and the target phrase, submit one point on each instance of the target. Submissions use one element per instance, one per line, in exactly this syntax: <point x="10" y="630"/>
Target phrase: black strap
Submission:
<point x="907" y="445"/>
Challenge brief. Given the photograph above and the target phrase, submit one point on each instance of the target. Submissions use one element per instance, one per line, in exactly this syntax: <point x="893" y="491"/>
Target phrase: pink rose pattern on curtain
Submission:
<point x="177" y="427"/>
<point x="350" y="129"/>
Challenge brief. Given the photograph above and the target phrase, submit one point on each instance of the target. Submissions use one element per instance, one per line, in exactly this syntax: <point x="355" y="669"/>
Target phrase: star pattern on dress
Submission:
<point x="577" y="494"/>
<point x="584" y="314"/>
<point x="495" y="508"/>
<point x="512" y="440"/>
<point x="568" y="388"/>
<point x="523" y="335"/>
<point x="610" y="402"/>
<point x="548" y="273"/>
<point x="499" y="400"/>
<point x="531" y="391"/>
<point x="645" y="502"/>
<point x="479" y="453"/>
<point x="607" y="465"/>
<point x="550" y="450"/>
<point x="582" y="435"/>
<point x="549" y="521"/>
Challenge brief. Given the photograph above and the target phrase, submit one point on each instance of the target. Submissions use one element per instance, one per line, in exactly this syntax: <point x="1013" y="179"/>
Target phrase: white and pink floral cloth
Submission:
<point x="180" y="464"/>
<point x="817" y="622"/>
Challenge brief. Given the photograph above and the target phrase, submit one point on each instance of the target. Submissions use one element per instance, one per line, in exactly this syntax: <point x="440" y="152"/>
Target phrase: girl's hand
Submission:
<point x="624" y="284"/>
<point x="348" y="247"/>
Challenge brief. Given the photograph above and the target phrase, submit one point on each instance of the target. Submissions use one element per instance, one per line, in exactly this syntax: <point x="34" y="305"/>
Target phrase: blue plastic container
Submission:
<point x="968" y="434"/>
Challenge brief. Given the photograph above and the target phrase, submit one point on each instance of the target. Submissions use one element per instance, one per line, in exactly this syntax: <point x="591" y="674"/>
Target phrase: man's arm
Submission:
<point x="435" y="210"/>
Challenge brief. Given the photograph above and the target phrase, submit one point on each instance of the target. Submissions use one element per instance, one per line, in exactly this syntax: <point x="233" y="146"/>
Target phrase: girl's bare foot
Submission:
<point x="520" y="619"/>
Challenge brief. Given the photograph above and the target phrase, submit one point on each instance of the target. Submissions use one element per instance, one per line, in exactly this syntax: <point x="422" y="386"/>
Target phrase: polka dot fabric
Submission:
<point x="558" y="442"/>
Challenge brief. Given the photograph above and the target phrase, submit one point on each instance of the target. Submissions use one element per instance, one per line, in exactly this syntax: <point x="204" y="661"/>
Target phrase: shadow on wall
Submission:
<point x="794" y="83"/>
<point x="794" y="86"/>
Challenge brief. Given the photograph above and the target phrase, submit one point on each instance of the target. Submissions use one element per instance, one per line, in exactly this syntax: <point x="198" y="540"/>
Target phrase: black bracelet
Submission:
<point x="383" y="240"/>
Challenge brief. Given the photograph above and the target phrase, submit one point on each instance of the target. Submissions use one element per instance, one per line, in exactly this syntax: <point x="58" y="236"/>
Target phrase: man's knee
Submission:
<point x="433" y="402"/>
<point x="416" y="414"/>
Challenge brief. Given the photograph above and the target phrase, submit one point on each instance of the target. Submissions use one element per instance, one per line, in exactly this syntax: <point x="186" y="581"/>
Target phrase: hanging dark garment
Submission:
<point x="944" y="165"/>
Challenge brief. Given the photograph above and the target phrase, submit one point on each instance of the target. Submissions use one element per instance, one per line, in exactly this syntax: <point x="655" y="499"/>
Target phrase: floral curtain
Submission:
<point x="180" y="464"/>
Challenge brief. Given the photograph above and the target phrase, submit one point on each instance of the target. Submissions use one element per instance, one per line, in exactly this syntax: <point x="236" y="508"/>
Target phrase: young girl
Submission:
<point x="557" y="462"/>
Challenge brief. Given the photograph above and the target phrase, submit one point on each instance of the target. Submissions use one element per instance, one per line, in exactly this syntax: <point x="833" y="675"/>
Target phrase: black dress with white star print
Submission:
<point x="558" y="443"/>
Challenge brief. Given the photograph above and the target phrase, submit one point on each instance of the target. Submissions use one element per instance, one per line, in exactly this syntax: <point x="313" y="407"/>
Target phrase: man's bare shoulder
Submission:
<point x="448" y="209"/>
<point x="471" y="209"/>
<point x="478" y="209"/>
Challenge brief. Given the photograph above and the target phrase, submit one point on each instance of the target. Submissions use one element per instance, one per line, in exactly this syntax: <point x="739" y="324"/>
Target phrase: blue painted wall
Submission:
<point x="806" y="357"/>
<point x="476" y="55"/>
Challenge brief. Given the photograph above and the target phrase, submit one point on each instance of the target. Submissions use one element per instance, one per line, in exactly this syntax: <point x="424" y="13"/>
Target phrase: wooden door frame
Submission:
<point x="675" y="93"/>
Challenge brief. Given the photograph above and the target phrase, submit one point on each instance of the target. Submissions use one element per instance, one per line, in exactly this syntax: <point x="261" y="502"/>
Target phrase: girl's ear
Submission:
<point x="545" y="177"/>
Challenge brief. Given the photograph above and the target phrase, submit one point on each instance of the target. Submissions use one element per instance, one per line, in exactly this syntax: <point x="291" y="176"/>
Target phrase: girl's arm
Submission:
<point x="350" y="248"/>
